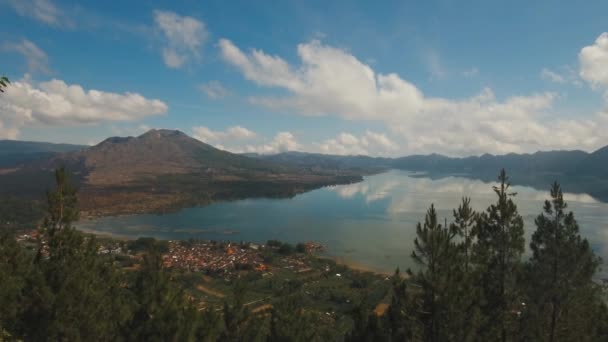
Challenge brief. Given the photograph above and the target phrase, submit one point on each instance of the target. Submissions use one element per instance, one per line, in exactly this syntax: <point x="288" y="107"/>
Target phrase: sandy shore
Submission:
<point x="359" y="266"/>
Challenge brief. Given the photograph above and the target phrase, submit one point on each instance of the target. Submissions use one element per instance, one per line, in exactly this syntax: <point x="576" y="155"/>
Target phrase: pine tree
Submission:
<point x="498" y="250"/>
<point x="162" y="312"/>
<point x="464" y="221"/>
<point x="4" y="82"/>
<point x="62" y="203"/>
<point x="74" y="294"/>
<point x="560" y="271"/>
<point x="463" y="292"/>
<point x="400" y="318"/>
<point x="436" y="256"/>
<point x="15" y="265"/>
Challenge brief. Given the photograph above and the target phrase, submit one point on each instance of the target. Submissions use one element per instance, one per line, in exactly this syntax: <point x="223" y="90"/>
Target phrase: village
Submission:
<point x="221" y="258"/>
<point x="228" y="258"/>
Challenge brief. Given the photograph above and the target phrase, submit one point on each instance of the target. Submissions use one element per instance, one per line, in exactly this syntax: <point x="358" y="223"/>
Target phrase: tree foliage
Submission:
<point x="4" y="82"/>
<point x="560" y="275"/>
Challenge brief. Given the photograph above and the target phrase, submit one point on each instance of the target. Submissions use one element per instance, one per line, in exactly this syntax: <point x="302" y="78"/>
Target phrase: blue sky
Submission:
<point x="339" y="77"/>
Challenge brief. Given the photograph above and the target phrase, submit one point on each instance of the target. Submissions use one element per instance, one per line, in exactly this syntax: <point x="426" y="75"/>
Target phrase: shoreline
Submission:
<point x="339" y="260"/>
<point x="358" y="266"/>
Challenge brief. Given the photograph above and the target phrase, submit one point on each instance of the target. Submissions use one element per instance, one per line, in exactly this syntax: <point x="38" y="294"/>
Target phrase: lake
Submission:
<point x="370" y="224"/>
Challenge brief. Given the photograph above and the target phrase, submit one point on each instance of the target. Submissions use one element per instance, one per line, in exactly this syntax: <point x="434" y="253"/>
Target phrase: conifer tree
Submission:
<point x="4" y="82"/>
<point x="74" y="293"/>
<point x="464" y="221"/>
<point x="62" y="203"/>
<point x="15" y="265"/>
<point x="400" y="317"/>
<point x="162" y="312"/>
<point x="500" y="244"/>
<point x="560" y="271"/>
<point x="435" y="254"/>
<point x="464" y="293"/>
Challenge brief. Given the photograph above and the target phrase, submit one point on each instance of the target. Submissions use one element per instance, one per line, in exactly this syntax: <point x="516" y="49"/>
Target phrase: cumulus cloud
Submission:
<point x="184" y="37"/>
<point x="594" y="62"/>
<point x="221" y="138"/>
<point x="239" y="139"/>
<point x="36" y="58"/>
<point x="371" y="143"/>
<point x="331" y="81"/>
<point x="55" y="102"/>
<point x="282" y="142"/>
<point x="44" y="11"/>
<point x="214" y="90"/>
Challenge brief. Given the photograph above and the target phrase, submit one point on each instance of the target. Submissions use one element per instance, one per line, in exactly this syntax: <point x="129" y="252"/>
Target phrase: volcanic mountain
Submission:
<point x="118" y="160"/>
<point x="161" y="170"/>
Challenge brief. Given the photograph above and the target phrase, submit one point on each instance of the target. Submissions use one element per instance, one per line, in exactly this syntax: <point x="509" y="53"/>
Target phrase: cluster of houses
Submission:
<point x="205" y="255"/>
<point x="209" y="256"/>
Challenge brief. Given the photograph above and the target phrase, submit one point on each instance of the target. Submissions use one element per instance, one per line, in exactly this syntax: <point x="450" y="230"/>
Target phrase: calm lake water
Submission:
<point x="371" y="223"/>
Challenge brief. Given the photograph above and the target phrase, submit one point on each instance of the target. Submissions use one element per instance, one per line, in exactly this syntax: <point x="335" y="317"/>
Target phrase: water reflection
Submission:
<point x="371" y="223"/>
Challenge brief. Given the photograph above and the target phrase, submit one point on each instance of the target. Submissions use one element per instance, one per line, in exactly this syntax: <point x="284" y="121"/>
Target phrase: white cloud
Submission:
<point x="282" y="142"/>
<point x="55" y="102"/>
<point x="214" y="90"/>
<point x="370" y="143"/>
<point x="235" y="139"/>
<point x="550" y="75"/>
<point x="564" y="75"/>
<point x="184" y="37"/>
<point x="44" y="11"/>
<point x="239" y="139"/>
<point x="331" y="81"/>
<point x="37" y="60"/>
<point x="594" y="62"/>
<point x="343" y="144"/>
<point x="173" y="59"/>
<point x="221" y="138"/>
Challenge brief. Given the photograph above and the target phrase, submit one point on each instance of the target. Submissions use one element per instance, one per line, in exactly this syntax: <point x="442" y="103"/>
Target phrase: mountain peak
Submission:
<point x="162" y="133"/>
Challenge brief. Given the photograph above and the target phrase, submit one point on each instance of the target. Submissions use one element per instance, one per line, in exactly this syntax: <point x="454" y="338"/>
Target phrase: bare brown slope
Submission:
<point x="117" y="161"/>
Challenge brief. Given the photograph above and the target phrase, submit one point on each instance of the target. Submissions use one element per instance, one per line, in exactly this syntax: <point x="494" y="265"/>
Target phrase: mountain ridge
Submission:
<point x="163" y="170"/>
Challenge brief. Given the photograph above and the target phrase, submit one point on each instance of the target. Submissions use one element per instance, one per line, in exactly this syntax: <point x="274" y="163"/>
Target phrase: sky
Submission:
<point x="388" y="78"/>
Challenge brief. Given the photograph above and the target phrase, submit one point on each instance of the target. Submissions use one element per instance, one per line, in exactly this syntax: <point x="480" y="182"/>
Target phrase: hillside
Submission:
<point x="118" y="160"/>
<point x="317" y="161"/>
<point x="550" y="162"/>
<point x="162" y="170"/>
<point x="595" y="164"/>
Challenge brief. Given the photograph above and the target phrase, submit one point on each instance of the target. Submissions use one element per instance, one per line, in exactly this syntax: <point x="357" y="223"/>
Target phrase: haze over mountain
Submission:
<point x="15" y="152"/>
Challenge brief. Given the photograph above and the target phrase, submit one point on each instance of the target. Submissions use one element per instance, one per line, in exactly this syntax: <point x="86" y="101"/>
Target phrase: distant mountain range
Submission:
<point x="165" y="169"/>
<point x="575" y="163"/>
<point x="577" y="171"/>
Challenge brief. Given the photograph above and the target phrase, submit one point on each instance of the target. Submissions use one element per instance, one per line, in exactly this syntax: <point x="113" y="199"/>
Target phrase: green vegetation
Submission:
<point x="471" y="284"/>
<point x="4" y="82"/>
